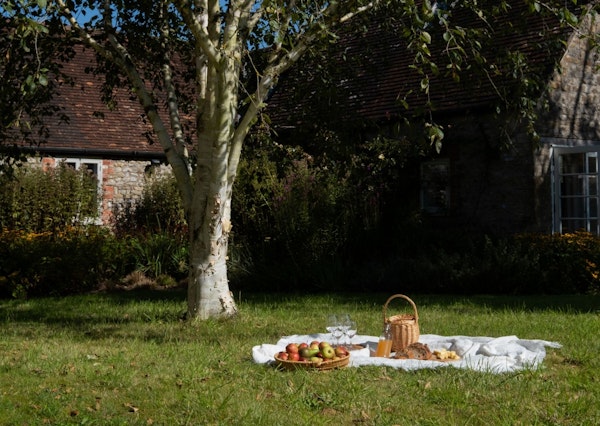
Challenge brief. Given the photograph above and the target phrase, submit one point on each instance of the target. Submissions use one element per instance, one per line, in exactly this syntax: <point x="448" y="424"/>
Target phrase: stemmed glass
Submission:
<point x="351" y="331"/>
<point x="344" y="321"/>
<point x="333" y="327"/>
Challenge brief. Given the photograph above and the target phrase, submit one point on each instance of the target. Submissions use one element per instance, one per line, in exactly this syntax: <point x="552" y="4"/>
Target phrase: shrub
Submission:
<point x="74" y="260"/>
<point x="25" y="202"/>
<point x="158" y="210"/>
<point x="157" y="255"/>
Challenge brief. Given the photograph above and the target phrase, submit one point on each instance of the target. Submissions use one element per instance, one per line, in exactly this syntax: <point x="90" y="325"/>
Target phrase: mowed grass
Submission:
<point x="129" y="358"/>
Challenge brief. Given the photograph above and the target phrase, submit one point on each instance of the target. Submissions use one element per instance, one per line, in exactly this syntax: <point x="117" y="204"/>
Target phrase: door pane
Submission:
<point x="573" y="207"/>
<point x="572" y="163"/>
<point x="572" y="185"/>
<point x="593" y="208"/>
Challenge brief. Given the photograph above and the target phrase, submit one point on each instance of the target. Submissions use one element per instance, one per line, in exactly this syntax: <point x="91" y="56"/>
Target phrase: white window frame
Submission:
<point x="97" y="163"/>
<point x="590" y="186"/>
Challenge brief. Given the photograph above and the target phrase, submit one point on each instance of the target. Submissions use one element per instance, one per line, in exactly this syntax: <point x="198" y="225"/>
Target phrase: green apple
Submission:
<point x="328" y="352"/>
<point x="305" y="352"/>
<point x="316" y="360"/>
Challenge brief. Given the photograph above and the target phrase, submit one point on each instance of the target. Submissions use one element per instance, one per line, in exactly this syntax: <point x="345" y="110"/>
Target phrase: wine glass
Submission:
<point x="338" y="332"/>
<point x="333" y="326"/>
<point x="345" y="322"/>
<point x="351" y="332"/>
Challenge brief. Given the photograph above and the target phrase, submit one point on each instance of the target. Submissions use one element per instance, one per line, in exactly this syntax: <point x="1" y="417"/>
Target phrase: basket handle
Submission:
<point x="403" y="297"/>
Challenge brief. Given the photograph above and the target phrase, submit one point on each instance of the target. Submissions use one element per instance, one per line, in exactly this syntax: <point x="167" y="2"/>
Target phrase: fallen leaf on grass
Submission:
<point x="132" y="408"/>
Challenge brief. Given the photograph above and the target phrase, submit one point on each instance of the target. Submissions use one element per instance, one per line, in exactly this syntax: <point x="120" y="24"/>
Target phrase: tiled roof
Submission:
<point x="374" y="72"/>
<point x="92" y="127"/>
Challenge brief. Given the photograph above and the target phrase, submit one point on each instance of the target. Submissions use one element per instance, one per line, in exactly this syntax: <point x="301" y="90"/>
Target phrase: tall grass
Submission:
<point x="129" y="358"/>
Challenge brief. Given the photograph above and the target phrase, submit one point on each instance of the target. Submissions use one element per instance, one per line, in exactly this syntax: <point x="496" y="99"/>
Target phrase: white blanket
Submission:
<point x="496" y="355"/>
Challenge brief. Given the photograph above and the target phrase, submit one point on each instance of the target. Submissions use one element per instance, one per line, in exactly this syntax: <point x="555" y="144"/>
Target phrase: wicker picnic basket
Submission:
<point x="404" y="327"/>
<point x="325" y="365"/>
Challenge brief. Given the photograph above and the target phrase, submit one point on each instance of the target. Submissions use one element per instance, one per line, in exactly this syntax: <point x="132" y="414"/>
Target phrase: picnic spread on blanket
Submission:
<point x="401" y="346"/>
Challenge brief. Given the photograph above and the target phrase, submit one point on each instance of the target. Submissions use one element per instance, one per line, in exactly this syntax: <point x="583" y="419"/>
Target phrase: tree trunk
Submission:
<point x="208" y="286"/>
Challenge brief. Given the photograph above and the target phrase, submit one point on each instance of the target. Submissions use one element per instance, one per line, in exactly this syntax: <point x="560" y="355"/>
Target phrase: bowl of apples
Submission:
<point x="312" y="356"/>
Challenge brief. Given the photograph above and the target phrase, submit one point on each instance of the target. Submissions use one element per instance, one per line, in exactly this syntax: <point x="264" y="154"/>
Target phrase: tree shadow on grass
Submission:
<point x="95" y="316"/>
<point x="104" y="315"/>
<point x="523" y="303"/>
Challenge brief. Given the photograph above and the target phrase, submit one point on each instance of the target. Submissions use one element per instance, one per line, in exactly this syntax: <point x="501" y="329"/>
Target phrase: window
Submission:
<point x="94" y="168"/>
<point x="575" y="189"/>
<point x="435" y="187"/>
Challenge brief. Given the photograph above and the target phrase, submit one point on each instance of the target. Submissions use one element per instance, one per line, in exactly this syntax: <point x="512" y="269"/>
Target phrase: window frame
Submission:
<point x="78" y="162"/>
<point x="557" y="196"/>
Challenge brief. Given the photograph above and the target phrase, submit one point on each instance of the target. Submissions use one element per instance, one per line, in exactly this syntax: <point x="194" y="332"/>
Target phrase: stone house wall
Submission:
<point x="123" y="181"/>
<point x="573" y="117"/>
<point x="509" y="189"/>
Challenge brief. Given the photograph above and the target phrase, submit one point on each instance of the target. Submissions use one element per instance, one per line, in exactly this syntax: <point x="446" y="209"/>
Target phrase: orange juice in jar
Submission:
<point x="384" y="346"/>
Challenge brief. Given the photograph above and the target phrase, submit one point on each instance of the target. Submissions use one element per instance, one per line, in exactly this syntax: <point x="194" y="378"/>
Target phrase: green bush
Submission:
<point x="158" y="210"/>
<point x="41" y="253"/>
<point x="157" y="255"/>
<point x="35" y="200"/>
<point x="74" y="260"/>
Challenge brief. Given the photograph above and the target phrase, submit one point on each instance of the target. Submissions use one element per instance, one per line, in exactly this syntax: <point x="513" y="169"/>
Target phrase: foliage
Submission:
<point x="28" y="64"/>
<point x="158" y="210"/>
<point x="73" y="260"/>
<point x="455" y="263"/>
<point x="307" y="209"/>
<point x="126" y="358"/>
<point x="146" y="45"/>
<point x="79" y="260"/>
<point x="25" y="202"/>
<point x="159" y="255"/>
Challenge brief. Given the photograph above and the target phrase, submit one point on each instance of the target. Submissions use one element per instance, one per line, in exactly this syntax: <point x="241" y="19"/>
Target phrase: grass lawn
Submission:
<point x="127" y="358"/>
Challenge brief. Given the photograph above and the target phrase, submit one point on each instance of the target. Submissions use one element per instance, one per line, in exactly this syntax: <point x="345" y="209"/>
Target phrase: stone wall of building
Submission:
<point x="123" y="181"/>
<point x="573" y="117"/>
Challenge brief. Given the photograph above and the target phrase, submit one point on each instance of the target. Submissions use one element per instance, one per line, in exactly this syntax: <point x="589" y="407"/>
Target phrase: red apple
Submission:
<point x="282" y="355"/>
<point x="341" y="351"/>
<point x="293" y="356"/>
<point x="291" y="348"/>
<point x="323" y="345"/>
<point x="302" y="346"/>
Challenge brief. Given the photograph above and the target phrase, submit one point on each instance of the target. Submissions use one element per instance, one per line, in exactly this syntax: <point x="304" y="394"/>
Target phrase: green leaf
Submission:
<point x="426" y="37"/>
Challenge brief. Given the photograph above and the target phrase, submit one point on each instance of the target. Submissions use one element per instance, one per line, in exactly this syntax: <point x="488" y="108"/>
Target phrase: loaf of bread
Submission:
<point x="414" y="351"/>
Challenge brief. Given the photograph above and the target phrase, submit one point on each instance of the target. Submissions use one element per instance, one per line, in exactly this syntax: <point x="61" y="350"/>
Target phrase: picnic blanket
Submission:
<point x="487" y="354"/>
